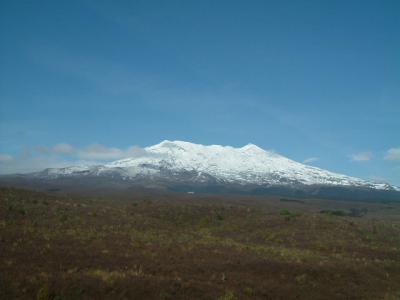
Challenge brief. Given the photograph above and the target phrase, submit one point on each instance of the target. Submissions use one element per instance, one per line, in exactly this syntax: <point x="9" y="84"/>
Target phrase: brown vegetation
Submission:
<point x="195" y="247"/>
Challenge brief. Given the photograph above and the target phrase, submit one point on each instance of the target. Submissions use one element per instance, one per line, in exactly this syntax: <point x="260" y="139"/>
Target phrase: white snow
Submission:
<point x="246" y="165"/>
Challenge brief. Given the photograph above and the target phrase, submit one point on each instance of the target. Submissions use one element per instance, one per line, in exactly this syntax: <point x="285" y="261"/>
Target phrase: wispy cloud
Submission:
<point x="109" y="77"/>
<point x="26" y="163"/>
<point x="392" y="154"/>
<point x="310" y="160"/>
<point x="5" y="158"/>
<point x="361" y="156"/>
<point x="63" y="154"/>
<point x="63" y="148"/>
<point x="377" y="179"/>
<point x="103" y="153"/>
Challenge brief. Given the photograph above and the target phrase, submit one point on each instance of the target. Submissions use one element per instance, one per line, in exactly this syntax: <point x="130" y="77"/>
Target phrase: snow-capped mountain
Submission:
<point x="178" y="161"/>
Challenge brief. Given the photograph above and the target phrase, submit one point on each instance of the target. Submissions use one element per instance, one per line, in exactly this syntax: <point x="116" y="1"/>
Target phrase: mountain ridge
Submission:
<point x="247" y="165"/>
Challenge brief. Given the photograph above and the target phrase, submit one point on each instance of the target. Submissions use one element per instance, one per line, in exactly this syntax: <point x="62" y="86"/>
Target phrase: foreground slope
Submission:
<point x="179" y="246"/>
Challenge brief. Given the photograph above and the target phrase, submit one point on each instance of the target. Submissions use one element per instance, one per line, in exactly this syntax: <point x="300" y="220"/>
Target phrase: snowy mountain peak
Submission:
<point x="247" y="165"/>
<point x="167" y="146"/>
<point x="253" y="148"/>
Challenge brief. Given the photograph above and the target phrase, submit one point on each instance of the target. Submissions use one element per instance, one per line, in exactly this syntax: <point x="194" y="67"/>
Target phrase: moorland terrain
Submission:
<point x="189" y="246"/>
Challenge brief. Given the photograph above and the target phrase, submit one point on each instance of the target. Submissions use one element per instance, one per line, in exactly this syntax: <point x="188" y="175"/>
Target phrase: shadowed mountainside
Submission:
<point x="97" y="185"/>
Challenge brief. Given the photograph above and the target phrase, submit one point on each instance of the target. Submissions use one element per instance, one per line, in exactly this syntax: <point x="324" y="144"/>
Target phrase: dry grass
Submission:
<point x="195" y="247"/>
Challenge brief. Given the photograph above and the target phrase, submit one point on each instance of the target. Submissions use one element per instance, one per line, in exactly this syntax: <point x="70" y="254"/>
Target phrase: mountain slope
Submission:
<point x="194" y="163"/>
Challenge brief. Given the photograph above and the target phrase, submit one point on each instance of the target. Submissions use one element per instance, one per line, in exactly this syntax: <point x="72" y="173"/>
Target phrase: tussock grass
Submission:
<point x="197" y="247"/>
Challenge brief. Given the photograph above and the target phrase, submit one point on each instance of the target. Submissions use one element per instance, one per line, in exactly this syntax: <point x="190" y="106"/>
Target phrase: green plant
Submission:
<point x="248" y="291"/>
<point x="44" y="293"/>
<point x="287" y="214"/>
<point x="227" y="296"/>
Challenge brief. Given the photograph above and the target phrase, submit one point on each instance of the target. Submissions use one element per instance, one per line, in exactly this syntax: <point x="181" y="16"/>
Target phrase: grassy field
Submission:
<point x="171" y="246"/>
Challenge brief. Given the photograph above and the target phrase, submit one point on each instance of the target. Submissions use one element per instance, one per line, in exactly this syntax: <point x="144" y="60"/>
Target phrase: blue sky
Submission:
<point x="312" y="80"/>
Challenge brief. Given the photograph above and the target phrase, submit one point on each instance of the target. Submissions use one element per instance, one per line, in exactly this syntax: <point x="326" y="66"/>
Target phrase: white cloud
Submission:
<point x="63" y="148"/>
<point x="42" y="150"/>
<point x="377" y="179"/>
<point x="393" y="154"/>
<point x="26" y="164"/>
<point x="63" y="155"/>
<point x="103" y="153"/>
<point x="362" y="156"/>
<point x="100" y="152"/>
<point x="310" y="160"/>
<point x="5" y="158"/>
